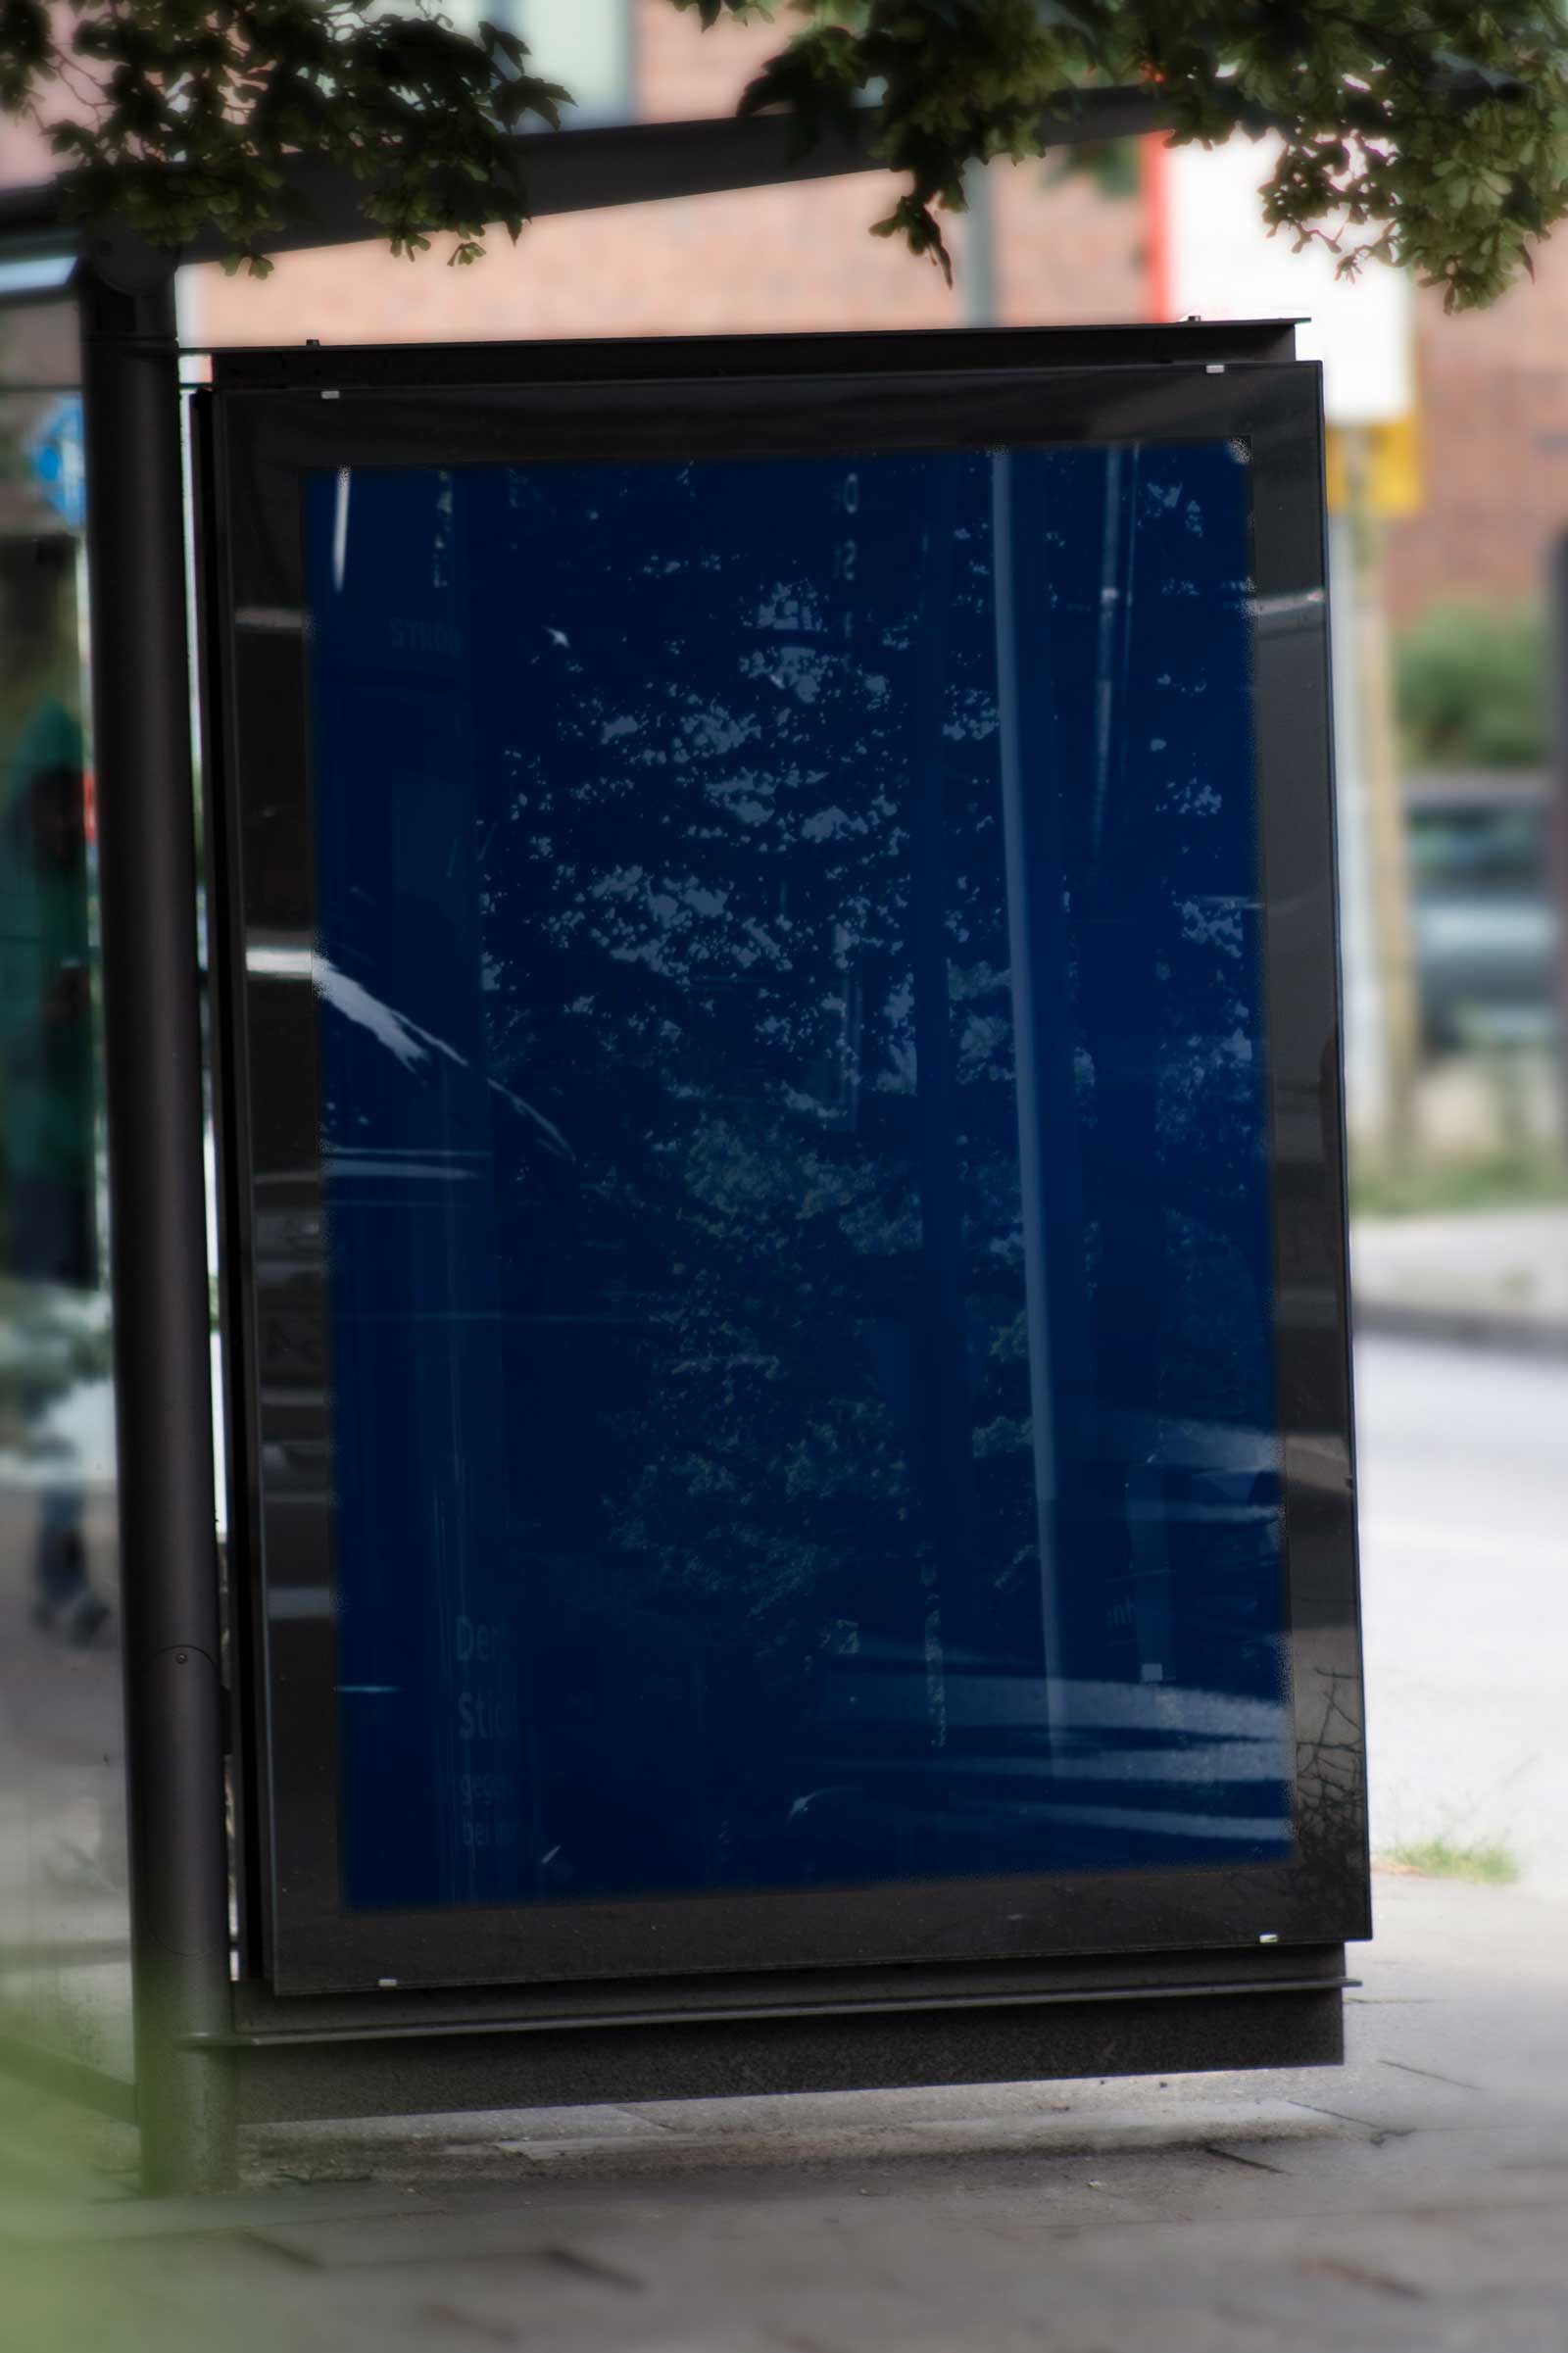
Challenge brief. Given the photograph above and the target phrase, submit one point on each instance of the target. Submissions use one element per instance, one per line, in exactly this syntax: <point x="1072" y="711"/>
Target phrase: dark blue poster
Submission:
<point x="793" y="1122"/>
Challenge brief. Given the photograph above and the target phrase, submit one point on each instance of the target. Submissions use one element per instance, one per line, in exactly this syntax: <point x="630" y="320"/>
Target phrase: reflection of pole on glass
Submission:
<point x="1031" y="1172"/>
<point x="947" y="1437"/>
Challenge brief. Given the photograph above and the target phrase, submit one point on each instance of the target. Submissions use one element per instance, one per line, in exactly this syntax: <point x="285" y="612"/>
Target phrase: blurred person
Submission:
<point x="47" y="1046"/>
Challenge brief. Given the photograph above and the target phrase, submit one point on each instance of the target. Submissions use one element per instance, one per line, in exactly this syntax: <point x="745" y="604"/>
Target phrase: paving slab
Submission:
<point x="387" y="2242"/>
<point x="768" y="2135"/>
<point x="39" y="2222"/>
<point x="1413" y="2201"/>
<point x="1487" y="1273"/>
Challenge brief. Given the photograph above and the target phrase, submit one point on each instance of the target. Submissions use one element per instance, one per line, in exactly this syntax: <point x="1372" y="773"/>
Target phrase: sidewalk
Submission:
<point x="1415" y="2199"/>
<point x="1491" y="1275"/>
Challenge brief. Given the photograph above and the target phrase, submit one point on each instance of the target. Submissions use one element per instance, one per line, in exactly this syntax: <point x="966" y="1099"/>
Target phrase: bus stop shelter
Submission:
<point x="287" y="1956"/>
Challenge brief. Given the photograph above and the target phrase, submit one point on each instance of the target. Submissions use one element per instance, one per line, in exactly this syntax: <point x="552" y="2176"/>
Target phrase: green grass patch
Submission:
<point x="1471" y="682"/>
<point x="1484" y="1862"/>
<point x="1505" y="1180"/>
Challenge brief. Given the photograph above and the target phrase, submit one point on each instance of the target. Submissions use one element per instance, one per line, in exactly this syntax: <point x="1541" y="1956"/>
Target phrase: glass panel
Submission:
<point x="789" y="1001"/>
<point x="64" y="1906"/>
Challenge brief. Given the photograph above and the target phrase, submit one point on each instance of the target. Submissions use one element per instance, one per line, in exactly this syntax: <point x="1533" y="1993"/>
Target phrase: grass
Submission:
<point x="1484" y="1862"/>
<point x="1521" y="1179"/>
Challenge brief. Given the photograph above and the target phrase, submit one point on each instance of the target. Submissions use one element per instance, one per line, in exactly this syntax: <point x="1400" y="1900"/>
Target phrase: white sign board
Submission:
<point x="1225" y="264"/>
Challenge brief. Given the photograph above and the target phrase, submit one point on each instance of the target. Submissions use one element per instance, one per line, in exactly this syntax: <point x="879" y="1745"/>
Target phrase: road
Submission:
<point x="1463" y="1462"/>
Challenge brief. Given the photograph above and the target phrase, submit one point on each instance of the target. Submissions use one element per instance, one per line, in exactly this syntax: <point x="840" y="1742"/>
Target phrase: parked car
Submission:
<point x="1484" y="906"/>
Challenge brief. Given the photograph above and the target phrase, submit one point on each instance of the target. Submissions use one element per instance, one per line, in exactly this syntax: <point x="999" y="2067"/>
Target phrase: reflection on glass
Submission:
<point x="63" y="1935"/>
<point x="792" y="1114"/>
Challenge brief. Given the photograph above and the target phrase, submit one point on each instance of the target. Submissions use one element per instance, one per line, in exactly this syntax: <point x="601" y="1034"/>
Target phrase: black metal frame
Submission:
<point x="175" y="1733"/>
<point x="392" y="367"/>
<point x="823" y="2032"/>
<point x="614" y="164"/>
<point x="1033" y="2016"/>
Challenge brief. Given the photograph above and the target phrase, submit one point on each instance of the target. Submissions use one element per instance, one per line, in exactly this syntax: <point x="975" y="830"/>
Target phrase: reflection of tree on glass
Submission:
<point x="849" y="1120"/>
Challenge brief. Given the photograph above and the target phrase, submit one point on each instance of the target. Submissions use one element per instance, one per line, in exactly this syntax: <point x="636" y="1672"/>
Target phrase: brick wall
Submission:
<point x="766" y="258"/>
<point x="24" y="154"/>
<point x="1065" y="255"/>
<point x="683" y="72"/>
<point x="1493" y="392"/>
<point x="780" y="258"/>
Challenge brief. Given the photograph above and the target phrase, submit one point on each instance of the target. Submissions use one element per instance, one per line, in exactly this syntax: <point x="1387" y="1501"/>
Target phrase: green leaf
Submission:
<point x="1434" y="131"/>
<point x="499" y="42"/>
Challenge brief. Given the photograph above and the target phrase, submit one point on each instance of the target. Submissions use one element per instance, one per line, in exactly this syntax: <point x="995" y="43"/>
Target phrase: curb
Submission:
<point x="1463" y="1327"/>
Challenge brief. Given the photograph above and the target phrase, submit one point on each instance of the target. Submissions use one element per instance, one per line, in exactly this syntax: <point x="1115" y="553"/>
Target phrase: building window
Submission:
<point x="585" y="44"/>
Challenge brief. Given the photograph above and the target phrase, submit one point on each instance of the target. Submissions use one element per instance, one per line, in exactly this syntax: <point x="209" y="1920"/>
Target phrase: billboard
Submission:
<point x="778" y="922"/>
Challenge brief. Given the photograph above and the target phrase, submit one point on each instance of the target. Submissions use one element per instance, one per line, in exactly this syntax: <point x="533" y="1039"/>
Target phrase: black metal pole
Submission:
<point x="630" y="163"/>
<point x="152" y="1038"/>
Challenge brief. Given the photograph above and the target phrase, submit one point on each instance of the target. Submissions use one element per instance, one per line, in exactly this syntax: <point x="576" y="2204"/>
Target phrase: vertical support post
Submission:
<point x="152" y="1040"/>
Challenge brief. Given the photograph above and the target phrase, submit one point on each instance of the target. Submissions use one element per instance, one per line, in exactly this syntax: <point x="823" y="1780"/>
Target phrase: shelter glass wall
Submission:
<point x="65" y="1977"/>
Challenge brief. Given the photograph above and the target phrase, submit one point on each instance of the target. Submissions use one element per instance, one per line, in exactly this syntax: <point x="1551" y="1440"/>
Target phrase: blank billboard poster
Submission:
<point x="793" y="1120"/>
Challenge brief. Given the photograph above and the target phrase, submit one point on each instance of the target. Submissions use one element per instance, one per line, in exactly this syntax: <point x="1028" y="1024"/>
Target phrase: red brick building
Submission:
<point x="1042" y="248"/>
<point x="1494" y="396"/>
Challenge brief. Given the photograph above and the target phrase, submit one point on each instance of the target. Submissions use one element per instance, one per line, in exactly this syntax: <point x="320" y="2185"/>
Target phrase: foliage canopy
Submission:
<point x="1429" y="132"/>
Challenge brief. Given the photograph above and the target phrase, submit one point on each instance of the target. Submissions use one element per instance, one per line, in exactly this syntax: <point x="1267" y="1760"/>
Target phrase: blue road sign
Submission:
<point x="55" y="454"/>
